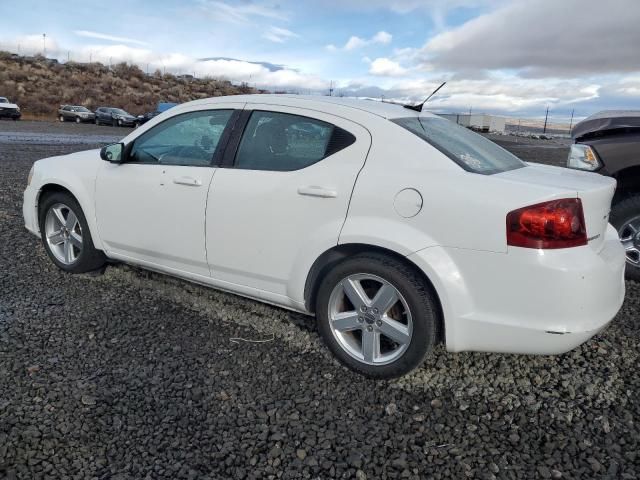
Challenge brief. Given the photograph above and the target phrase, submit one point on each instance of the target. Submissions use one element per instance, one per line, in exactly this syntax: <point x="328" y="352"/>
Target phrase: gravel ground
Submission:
<point x="136" y="375"/>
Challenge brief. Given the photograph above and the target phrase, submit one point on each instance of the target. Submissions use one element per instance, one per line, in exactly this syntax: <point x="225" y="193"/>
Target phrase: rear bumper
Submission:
<point x="526" y="301"/>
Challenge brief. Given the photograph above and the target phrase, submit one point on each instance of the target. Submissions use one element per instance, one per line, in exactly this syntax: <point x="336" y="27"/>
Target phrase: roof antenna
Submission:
<point x="418" y="108"/>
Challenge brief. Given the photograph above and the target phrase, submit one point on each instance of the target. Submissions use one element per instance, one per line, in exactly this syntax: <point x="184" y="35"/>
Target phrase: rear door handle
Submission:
<point x="189" y="181"/>
<point x="314" y="191"/>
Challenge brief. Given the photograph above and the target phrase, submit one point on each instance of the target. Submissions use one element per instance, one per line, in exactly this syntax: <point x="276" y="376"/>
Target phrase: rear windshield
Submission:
<point x="471" y="151"/>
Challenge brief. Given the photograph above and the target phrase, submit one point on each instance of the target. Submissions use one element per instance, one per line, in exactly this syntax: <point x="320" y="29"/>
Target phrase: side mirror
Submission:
<point x="112" y="153"/>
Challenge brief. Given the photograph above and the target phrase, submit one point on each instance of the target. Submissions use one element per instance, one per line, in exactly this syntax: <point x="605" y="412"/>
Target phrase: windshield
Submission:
<point x="471" y="151"/>
<point x="3" y="100"/>
<point x="81" y="109"/>
<point x="119" y="111"/>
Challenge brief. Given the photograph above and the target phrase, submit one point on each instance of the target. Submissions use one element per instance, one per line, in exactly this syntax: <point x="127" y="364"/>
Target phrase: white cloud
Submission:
<point x="544" y="38"/>
<point x="386" y="68"/>
<point x="355" y="42"/>
<point x="279" y="35"/>
<point x="103" y="36"/>
<point x="382" y="37"/>
<point x="243" y="12"/>
<point x="30" y="44"/>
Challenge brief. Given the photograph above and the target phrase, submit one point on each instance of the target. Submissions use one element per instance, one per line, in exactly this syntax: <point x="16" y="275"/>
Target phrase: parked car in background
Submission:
<point x="9" y="110"/>
<point x="608" y="143"/>
<point x="397" y="229"/>
<point x="115" y="117"/>
<point x="162" y="107"/>
<point x="75" y="113"/>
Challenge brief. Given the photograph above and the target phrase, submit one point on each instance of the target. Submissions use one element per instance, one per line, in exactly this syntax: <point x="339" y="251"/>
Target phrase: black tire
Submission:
<point x="89" y="258"/>
<point x="114" y="123"/>
<point x="419" y="296"/>
<point x="97" y="122"/>
<point x="77" y="119"/>
<point x="621" y="213"/>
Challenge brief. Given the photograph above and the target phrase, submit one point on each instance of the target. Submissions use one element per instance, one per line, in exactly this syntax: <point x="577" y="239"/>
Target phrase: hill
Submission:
<point x="40" y="85"/>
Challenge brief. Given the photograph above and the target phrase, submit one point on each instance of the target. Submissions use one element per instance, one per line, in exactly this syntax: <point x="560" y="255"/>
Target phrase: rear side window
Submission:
<point x="284" y="142"/>
<point x="471" y="151"/>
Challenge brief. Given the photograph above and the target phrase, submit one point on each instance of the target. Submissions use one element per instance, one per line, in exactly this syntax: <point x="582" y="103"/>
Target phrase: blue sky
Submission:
<point x="513" y="57"/>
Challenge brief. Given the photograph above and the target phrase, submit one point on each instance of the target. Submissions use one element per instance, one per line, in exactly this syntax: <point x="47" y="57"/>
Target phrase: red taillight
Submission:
<point x="555" y="224"/>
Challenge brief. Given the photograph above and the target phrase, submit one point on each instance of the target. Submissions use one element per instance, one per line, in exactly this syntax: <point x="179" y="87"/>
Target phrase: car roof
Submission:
<point x="382" y="109"/>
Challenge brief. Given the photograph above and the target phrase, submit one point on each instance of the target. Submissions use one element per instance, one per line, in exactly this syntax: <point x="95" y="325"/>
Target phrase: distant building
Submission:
<point x="478" y="121"/>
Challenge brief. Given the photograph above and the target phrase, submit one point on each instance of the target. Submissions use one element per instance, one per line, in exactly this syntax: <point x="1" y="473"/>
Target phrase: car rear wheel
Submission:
<point x="625" y="217"/>
<point x="377" y="315"/>
<point x="66" y="236"/>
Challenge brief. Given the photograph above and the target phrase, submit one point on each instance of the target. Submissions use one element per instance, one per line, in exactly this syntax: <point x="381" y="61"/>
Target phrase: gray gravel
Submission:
<point x="135" y="375"/>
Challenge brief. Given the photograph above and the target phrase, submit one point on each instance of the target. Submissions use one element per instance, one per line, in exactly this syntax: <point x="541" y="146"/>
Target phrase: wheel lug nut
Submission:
<point x="379" y="323"/>
<point x="363" y="308"/>
<point x="361" y="319"/>
<point x="370" y="328"/>
<point x="375" y="310"/>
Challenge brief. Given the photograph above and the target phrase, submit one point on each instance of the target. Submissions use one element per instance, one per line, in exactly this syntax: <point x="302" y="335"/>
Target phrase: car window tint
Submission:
<point x="188" y="139"/>
<point x="470" y="150"/>
<point x="282" y="142"/>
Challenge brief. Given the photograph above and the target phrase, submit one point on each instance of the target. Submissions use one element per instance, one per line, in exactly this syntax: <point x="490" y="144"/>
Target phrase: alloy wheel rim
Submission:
<point x="63" y="234"/>
<point x="629" y="234"/>
<point x="370" y="319"/>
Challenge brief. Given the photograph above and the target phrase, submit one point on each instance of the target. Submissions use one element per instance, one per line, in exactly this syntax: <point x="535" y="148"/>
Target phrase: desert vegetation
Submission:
<point x="40" y="85"/>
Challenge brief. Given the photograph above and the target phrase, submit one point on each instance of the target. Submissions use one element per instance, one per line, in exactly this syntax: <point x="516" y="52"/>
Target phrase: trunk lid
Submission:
<point x="595" y="192"/>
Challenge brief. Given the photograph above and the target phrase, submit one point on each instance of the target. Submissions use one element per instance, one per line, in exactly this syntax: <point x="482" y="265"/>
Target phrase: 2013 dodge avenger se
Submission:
<point x="397" y="229"/>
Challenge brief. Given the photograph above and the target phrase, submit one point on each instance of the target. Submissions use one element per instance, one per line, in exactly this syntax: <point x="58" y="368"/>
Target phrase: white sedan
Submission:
<point x="397" y="229"/>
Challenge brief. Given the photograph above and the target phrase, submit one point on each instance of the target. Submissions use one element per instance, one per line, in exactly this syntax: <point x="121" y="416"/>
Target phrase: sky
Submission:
<point x="512" y="57"/>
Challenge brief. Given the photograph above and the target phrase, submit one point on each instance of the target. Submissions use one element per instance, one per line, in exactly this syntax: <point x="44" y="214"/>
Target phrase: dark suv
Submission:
<point x="75" y="113"/>
<point x="609" y="143"/>
<point x="115" y="117"/>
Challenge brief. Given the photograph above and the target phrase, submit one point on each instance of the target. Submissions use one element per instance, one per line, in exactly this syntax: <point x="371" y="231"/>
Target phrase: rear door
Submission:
<point x="286" y="182"/>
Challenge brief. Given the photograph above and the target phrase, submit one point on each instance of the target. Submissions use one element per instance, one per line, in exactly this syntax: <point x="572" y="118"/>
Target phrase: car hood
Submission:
<point x="607" y="120"/>
<point x="8" y="105"/>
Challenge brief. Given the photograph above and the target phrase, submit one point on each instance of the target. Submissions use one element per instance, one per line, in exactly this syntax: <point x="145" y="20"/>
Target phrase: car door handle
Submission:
<point x="189" y="181"/>
<point x="314" y="191"/>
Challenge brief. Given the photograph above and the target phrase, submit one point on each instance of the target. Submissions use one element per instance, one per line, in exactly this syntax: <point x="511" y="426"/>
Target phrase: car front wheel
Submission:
<point x="66" y="236"/>
<point x="625" y="217"/>
<point x="377" y="315"/>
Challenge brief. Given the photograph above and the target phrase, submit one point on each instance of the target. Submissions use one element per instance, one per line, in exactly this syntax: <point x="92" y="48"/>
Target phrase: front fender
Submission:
<point x="77" y="174"/>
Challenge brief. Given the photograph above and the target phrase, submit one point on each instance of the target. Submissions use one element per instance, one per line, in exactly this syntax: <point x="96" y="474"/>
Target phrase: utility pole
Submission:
<point x="44" y="44"/>
<point x="546" y="115"/>
<point x="68" y="55"/>
<point x="469" y="109"/>
<point x="331" y="88"/>
<point x="571" y="122"/>
<point x="90" y="55"/>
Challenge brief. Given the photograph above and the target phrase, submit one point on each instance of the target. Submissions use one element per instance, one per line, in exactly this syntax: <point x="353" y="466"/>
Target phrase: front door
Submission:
<point x="286" y="194"/>
<point x="151" y="209"/>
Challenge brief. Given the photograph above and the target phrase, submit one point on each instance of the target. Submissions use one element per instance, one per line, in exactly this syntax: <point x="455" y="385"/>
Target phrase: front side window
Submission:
<point x="471" y="151"/>
<point x="188" y="139"/>
<point x="282" y="142"/>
